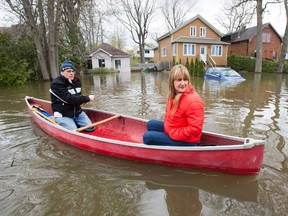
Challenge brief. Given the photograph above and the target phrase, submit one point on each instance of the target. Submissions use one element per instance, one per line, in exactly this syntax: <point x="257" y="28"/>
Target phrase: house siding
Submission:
<point x="165" y="43"/>
<point x="240" y="48"/>
<point x="111" y="54"/>
<point x="156" y="55"/>
<point x="185" y="31"/>
<point x="177" y="34"/>
<point x="125" y="64"/>
<point x="273" y="46"/>
<point x="101" y="55"/>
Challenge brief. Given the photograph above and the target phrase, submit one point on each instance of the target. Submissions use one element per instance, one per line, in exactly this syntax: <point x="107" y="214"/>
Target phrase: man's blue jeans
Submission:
<point x="73" y="123"/>
<point x="156" y="135"/>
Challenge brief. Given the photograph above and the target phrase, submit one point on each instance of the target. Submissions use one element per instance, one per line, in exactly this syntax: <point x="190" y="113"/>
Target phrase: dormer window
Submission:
<point x="192" y="30"/>
<point x="202" y="31"/>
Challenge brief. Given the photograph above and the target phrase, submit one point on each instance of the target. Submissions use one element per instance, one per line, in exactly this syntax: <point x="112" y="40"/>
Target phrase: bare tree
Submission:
<point x="92" y="18"/>
<point x="280" y="66"/>
<point x="42" y="17"/>
<point x="258" y="64"/>
<point x="260" y="9"/>
<point x="175" y="11"/>
<point x="71" y="34"/>
<point x="235" y="18"/>
<point x="137" y="16"/>
<point x="117" y="39"/>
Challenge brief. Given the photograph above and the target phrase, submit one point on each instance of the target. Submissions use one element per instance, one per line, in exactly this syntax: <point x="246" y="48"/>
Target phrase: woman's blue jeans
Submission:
<point x="156" y="135"/>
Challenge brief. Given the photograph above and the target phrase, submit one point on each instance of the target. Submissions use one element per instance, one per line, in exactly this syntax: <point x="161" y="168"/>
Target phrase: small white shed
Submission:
<point x="108" y="56"/>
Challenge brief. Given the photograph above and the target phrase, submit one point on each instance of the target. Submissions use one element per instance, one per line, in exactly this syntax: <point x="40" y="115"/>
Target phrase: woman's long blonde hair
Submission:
<point x="178" y="71"/>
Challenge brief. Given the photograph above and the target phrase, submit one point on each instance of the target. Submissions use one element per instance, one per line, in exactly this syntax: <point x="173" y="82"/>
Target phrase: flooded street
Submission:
<point x="42" y="176"/>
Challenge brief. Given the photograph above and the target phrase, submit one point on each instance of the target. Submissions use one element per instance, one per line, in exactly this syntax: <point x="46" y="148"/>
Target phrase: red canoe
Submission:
<point x="121" y="136"/>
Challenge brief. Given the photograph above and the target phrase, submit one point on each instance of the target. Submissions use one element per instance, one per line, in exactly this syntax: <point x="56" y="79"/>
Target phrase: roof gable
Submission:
<point x="198" y="16"/>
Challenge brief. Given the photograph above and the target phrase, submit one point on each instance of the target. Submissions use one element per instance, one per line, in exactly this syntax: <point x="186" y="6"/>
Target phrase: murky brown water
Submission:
<point x="42" y="176"/>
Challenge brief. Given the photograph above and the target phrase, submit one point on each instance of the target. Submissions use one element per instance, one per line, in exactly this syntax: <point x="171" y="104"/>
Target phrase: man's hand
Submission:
<point x="92" y="97"/>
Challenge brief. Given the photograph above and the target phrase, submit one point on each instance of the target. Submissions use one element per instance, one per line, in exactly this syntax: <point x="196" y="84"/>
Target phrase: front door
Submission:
<point x="203" y="52"/>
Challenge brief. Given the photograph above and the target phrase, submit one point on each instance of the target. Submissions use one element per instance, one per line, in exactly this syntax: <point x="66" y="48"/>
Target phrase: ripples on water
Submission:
<point x="41" y="176"/>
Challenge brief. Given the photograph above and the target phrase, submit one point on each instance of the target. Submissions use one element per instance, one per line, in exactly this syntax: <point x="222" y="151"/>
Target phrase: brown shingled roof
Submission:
<point x="245" y="34"/>
<point x="16" y="31"/>
<point x="111" y="50"/>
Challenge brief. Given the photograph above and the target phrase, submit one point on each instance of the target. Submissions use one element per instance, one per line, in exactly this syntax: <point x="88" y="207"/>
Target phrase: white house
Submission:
<point x="108" y="56"/>
<point x="148" y="54"/>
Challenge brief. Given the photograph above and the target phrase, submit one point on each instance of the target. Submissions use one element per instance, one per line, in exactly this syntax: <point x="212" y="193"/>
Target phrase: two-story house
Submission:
<point x="195" y="38"/>
<point x="243" y="42"/>
<point x="148" y="54"/>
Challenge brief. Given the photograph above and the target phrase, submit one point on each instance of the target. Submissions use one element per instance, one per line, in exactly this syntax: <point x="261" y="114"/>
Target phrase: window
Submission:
<point x="164" y="52"/>
<point x="174" y="49"/>
<point x="117" y="64"/>
<point x="266" y="37"/>
<point x="147" y="51"/>
<point x="216" y="50"/>
<point x="192" y="30"/>
<point x="101" y="62"/>
<point x="202" y="31"/>
<point x="189" y="49"/>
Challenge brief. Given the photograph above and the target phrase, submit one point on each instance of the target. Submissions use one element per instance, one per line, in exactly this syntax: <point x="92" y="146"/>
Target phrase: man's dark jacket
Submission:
<point x="66" y="96"/>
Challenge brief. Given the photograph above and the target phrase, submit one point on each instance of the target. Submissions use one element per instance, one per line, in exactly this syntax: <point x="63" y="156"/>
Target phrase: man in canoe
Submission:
<point x="184" y="115"/>
<point x="67" y="99"/>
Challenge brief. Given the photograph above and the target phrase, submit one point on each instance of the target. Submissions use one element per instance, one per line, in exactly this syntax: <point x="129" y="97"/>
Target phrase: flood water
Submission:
<point x="42" y="176"/>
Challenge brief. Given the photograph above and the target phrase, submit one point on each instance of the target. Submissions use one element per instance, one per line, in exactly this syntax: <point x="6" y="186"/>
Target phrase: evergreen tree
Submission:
<point x="192" y="67"/>
<point x="187" y="63"/>
<point x="13" y="67"/>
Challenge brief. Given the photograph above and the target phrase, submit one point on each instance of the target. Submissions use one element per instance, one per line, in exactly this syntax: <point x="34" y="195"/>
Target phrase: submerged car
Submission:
<point x="223" y="74"/>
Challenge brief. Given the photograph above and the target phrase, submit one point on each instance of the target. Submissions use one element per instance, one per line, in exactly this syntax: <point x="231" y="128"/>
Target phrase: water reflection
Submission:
<point x="39" y="175"/>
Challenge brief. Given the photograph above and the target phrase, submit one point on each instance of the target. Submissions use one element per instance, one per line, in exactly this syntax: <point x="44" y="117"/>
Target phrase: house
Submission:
<point x="108" y="56"/>
<point x="16" y="31"/>
<point x="195" y="38"/>
<point x="243" y="42"/>
<point x="148" y="54"/>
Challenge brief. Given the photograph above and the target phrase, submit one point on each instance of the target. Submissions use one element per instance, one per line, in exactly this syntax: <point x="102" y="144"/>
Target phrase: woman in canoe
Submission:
<point x="184" y="115"/>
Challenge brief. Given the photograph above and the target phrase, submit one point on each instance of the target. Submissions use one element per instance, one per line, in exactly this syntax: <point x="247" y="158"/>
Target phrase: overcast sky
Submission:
<point x="209" y="9"/>
<point x="275" y="14"/>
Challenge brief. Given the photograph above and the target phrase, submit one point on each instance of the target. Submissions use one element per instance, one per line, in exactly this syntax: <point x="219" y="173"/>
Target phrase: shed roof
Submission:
<point x="110" y="50"/>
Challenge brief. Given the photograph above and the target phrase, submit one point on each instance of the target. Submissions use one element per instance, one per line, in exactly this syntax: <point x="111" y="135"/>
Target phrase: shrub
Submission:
<point x="104" y="70"/>
<point x="10" y="77"/>
<point x="245" y="63"/>
<point x="14" y="67"/>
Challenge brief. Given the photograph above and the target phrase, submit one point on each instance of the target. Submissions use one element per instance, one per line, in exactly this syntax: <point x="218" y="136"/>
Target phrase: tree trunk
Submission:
<point x="142" y="48"/>
<point x="52" y="39"/>
<point x="41" y="56"/>
<point x="258" y="65"/>
<point x="280" y="66"/>
<point x="37" y="39"/>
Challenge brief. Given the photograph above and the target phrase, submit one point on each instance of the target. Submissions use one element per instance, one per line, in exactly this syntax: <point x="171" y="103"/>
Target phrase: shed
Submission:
<point x="108" y="56"/>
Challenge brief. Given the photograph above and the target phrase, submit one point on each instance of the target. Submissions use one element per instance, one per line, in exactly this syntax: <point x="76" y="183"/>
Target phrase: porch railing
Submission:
<point x="210" y="61"/>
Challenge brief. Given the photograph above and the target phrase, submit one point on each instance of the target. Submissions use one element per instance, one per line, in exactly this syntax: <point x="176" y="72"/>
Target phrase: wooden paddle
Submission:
<point x="97" y="123"/>
<point x="42" y="115"/>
